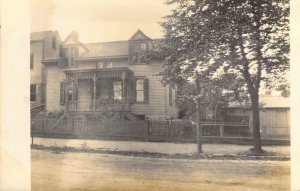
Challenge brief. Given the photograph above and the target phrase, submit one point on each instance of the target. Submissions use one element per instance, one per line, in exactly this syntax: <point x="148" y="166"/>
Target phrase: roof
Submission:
<point x="36" y="36"/>
<point x="274" y="101"/>
<point x="268" y="101"/>
<point x="139" y="35"/>
<point x="106" y="49"/>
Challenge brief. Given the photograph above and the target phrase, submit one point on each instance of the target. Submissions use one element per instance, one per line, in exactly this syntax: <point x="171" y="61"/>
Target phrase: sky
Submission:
<point x="99" y="20"/>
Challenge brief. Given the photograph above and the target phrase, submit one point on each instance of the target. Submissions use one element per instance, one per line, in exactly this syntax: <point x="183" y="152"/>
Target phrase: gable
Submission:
<point x="139" y="35"/>
<point x="70" y="42"/>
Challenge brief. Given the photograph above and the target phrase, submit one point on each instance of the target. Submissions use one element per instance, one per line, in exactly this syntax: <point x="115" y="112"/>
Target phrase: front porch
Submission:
<point x="105" y="89"/>
<point x="98" y="105"/>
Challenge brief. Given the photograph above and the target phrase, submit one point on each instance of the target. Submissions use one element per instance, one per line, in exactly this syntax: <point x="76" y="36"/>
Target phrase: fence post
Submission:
<point x="168" y="130"/>
<point x="222" y="130"/>
<point x="148" y="130"/>
<point x="73" y="127"/>
<point x="43" y="133"/>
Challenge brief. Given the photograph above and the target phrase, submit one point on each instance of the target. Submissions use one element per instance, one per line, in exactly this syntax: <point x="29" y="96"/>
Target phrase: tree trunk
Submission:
<point x="256" y="124"/>
<point x="199" y="128"/>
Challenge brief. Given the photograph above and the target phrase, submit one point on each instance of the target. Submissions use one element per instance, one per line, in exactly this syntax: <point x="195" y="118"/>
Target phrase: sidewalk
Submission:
<point x="155" y="147"/>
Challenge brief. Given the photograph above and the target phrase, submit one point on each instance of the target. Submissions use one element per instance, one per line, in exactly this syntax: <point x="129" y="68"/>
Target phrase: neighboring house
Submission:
<point x="90" y="79"/>
<point x="274" y="116"/>
<point x="43" y="45"/>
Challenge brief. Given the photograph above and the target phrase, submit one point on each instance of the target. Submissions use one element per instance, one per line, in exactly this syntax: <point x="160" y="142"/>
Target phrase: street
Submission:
<point x="89" y="171"/>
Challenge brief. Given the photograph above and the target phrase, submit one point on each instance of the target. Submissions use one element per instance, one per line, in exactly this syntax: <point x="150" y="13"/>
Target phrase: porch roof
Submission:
<point x="122" y="72"/>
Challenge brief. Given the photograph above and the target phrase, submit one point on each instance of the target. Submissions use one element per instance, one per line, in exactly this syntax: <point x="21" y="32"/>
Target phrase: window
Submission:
<point x="32" y="92"/>
<point x="31" y="61"/>
<point x="101" y="65"/>
<point x="143" y="46"/>
<point x="109" y="65"/>
<point x="54" y="42"/>
<point x="104" y="65"/>
<point x="170" y="96"/>
<point x="73" y="55"/>
<point x="142" y="90"/>
<point x="117" y="90"/>
<point x="70" y="54"/>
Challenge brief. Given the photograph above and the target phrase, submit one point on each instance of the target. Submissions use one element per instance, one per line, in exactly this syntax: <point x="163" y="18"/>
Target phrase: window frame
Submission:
<point x="33" y="93"/>
<point x="145" y="90"/>
<point x="143" y="46"/>
<point x="117" y="83"/>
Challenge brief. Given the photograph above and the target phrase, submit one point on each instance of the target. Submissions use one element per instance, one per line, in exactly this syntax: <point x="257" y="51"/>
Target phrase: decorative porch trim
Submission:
<point x="74" y="74"/>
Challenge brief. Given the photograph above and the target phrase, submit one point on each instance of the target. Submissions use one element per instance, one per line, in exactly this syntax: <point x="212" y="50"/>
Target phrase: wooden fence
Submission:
<point x="183" y="131"/>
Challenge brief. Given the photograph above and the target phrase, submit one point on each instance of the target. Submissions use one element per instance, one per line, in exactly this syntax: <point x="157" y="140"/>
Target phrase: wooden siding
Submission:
<point x="274" y="122"/>
<point x="36" y="73"/>
<point x="156" y="105"/>
<point x="49" y="52"/>
<point x="53" y="78"/>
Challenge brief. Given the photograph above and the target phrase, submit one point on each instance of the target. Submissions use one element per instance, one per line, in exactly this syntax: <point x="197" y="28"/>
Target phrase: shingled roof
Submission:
<point x="36" y="36"/>
<point x="268" y="101"/>
<point x="107" y="49"/>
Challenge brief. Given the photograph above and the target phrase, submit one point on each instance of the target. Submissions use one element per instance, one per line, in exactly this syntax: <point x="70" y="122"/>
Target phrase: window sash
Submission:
<point x="117" y="90"/>
<point x="142" y="90"/>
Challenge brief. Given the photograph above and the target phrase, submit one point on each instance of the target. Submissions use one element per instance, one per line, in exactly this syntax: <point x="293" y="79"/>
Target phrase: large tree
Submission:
<point x="247" y="39"/>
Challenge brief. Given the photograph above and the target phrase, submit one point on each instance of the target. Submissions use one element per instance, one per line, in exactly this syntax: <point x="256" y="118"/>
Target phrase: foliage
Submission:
<point x="242" y="42"/>
<point x="213" y="100"/>
<point x="55" y="114"/>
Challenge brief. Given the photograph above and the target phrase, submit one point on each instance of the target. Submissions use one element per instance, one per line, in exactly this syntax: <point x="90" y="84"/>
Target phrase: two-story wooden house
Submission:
<point x="89" y="79"/>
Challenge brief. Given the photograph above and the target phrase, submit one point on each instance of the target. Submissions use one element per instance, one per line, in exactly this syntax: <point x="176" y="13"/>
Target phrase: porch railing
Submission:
<point x="99" y="105"/>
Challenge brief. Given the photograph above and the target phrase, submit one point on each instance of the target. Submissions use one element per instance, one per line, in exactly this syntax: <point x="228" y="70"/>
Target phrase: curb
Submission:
<point x="192" y="156"/>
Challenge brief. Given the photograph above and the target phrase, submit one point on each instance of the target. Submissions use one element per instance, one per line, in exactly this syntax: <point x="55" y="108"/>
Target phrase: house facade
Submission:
<point x="108" y="78"/>
<point x="43" y="45"/>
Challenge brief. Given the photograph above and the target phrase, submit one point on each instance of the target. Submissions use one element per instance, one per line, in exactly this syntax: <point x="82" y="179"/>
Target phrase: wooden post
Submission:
<point x="169" y="126"/>
<point x="95" y="87"/>
<point x="222" y="130"/>
<point x="123" y="102"/>
<point x="43" y="127"/>
<point x="148" y="130"/>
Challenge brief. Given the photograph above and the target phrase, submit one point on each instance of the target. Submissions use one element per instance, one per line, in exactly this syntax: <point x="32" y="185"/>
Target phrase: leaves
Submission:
<point x="246" y="37"/>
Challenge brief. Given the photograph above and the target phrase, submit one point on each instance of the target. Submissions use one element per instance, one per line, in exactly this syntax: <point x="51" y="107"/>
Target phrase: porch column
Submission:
<point x="75" y="94"/>
<point x="123" y="77"/>
<point x="123" y="95"/>
<point x="94" y="98"/>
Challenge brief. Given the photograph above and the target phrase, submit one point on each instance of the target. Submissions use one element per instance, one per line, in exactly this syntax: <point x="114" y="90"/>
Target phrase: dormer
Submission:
<point x="71" y="49"/>
<point x="139" y="46"/>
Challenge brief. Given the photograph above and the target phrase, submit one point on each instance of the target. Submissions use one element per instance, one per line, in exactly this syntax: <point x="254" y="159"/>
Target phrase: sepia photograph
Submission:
<point x="156" y="95"/>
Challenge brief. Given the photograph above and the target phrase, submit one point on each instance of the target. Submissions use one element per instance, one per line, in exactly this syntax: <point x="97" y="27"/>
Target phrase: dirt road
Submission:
<point x="87" y="171"/>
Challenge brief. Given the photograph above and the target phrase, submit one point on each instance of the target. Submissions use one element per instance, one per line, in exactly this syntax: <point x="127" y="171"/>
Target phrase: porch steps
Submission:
<point x="36" y="108"/>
